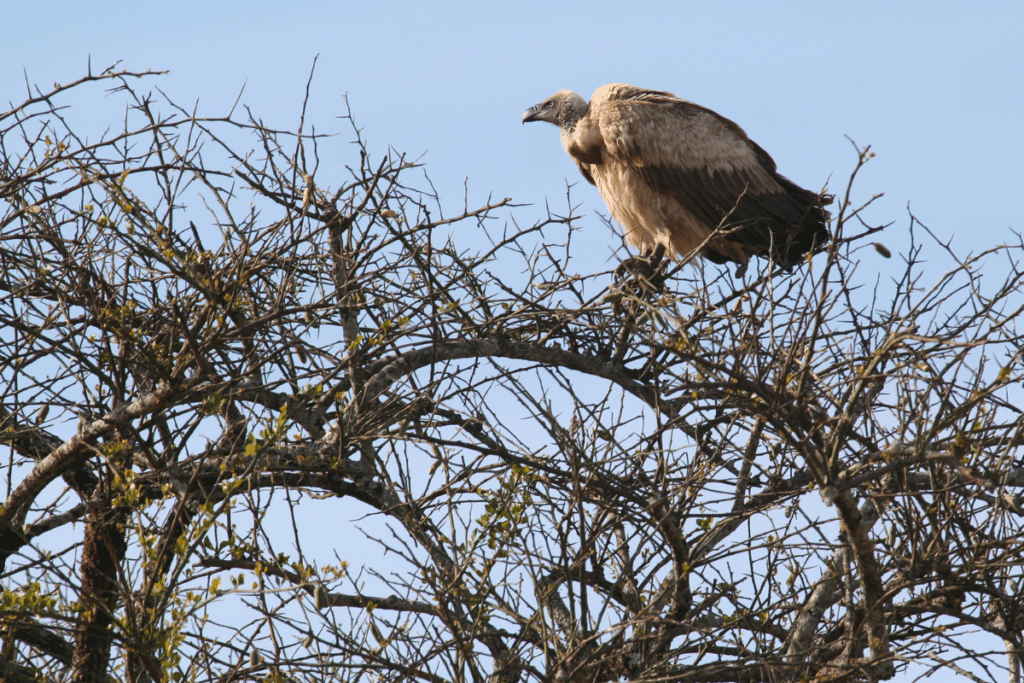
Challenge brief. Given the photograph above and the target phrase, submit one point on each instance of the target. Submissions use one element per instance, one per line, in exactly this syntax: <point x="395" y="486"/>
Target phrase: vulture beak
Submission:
<point x="532" y="114"/>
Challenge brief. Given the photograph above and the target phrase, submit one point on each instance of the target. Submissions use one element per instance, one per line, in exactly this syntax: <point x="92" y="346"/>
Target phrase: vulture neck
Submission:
<point x="567" y="131"/>
<point x="582" y="140"/>
<point x="572" y="109"/>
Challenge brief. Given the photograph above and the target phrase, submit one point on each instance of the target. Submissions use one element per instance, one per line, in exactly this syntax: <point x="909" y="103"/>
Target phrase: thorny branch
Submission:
<point x="313" y="430"/>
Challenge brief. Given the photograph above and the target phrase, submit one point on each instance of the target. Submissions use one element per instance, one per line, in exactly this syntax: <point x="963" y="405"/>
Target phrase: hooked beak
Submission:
<point x="532" y="114"/>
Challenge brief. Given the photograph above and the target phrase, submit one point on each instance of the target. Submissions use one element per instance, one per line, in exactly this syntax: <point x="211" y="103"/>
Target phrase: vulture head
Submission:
<point x="563" y="109"/>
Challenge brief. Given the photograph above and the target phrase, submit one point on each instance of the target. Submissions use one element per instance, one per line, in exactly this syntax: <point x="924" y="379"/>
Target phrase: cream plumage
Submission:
<point x="673" y="172"/>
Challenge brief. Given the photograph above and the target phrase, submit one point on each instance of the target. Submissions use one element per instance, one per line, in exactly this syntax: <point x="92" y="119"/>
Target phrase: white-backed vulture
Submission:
<point x="673" y="172"/>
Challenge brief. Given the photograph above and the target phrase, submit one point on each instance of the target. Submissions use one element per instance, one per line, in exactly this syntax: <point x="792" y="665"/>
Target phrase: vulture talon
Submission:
<point x="643" y="277"/>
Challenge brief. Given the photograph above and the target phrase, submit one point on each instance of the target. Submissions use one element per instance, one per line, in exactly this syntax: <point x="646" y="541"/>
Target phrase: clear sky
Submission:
<point x="937" y="88"/>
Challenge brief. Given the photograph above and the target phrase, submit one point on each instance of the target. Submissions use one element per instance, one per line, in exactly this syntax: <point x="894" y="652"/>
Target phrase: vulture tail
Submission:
<point x="811" y="233"/>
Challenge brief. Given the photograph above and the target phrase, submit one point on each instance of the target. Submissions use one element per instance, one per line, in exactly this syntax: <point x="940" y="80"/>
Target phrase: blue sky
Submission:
<point x="937" y="88"/>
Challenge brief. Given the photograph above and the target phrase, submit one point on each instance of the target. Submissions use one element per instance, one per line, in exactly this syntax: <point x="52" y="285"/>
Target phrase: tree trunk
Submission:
<point x="103" y="550"/>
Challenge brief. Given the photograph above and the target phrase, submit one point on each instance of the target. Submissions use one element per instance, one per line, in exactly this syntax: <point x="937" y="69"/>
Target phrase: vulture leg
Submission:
<point x="646" y="273"/>
<point x="655" y="257"/>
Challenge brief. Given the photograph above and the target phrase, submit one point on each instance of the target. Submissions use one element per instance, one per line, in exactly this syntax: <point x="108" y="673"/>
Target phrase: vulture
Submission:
<point x="680" y="178"/>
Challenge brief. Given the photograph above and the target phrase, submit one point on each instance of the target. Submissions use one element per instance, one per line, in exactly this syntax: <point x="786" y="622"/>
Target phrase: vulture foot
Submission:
<point x="643" y="276"/>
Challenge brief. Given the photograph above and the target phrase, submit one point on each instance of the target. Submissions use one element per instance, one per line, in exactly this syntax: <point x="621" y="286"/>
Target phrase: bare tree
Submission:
<point x="205" y="332"/>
